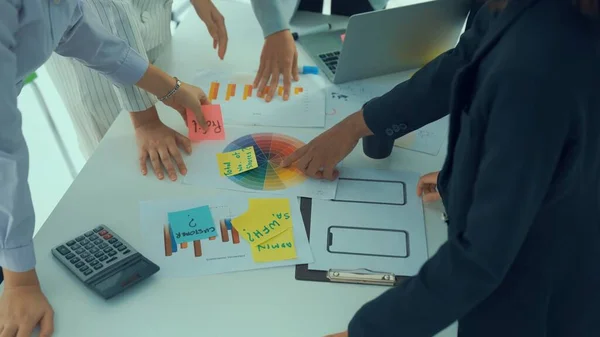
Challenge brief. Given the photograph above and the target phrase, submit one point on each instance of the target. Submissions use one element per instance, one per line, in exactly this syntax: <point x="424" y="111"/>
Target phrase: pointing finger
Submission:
<point x="289" y="160"/>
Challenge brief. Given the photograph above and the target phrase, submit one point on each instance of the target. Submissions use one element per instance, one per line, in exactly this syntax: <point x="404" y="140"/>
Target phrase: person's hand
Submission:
<point x="23" y="306"/>
<point x="215" y="23"/>
<point x="341" y="334"/>
<point x="279" y="57"/>
<point x="160" y="143"/>
<point x="319" y="157"/>
<point x="189" y="97"/>
<point x="427" y="187"/>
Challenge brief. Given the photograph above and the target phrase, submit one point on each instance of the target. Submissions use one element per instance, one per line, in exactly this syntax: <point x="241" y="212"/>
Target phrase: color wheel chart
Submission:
<point x="225" y="224"/>
<point x="270" y="149"/>
<point x="230" y="89"/>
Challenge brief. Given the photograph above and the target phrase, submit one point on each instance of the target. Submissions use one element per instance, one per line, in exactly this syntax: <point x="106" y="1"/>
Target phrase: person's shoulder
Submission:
<point x="554" y="35"/>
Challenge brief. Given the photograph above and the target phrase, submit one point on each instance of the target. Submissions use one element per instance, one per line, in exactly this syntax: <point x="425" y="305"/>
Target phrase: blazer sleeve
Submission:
<point x="472" y="263"/>
<point x="270" y="16"/>
<point x="121" y="57"/>
<point x="17" y="220"/>
<point x="425" y="97"/>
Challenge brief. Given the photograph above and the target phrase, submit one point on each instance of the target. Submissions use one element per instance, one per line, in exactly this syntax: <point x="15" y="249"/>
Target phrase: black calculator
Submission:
<point x="104" y="262"/>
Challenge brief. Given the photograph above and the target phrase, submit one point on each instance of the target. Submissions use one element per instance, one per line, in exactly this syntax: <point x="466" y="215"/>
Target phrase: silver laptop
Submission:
<point x="388" y="41"/>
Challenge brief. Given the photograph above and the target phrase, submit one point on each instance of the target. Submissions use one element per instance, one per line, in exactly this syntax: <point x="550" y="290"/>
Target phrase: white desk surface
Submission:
<point x="268" y="302"/>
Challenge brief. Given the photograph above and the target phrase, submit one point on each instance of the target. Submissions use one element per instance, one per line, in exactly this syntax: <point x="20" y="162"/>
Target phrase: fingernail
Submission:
<point x="285" y="97"/>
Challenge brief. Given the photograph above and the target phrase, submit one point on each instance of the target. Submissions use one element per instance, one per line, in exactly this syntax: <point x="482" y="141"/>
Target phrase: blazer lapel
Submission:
<point x="508" y="15"/>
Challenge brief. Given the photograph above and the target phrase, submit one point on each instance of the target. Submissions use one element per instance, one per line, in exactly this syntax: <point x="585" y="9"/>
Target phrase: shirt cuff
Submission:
<point x="131" y="70"/>
<point x="273" y="26"/>
<point x="19" y="259"/>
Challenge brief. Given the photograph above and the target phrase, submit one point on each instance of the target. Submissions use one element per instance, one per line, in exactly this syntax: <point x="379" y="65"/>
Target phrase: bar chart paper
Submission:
<point x="225" y="252"/>
<point x="242" y="104"/>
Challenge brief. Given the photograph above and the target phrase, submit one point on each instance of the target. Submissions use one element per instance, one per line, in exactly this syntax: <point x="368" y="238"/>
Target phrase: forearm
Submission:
<point x="355" y="124"/>
<point x="419" y="101"/>
<point x="16" y="209"/>
<point x="139" y="118"/>
<point x="88" y="41"/>
<point x="156" y="81"/>
<point x="17" y="219"/>
<point x="269" y="16"/>
<point x="425" y="97"/>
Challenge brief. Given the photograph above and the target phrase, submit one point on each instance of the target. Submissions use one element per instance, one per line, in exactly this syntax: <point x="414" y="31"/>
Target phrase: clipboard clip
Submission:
<point x="362" y="276"/>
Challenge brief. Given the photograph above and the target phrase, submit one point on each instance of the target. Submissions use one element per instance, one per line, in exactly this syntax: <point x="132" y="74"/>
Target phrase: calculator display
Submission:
<point x="122" y="278"/>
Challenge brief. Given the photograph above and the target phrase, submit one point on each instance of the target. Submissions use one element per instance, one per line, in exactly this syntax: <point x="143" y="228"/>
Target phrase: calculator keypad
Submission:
<point x="93" y="250"/>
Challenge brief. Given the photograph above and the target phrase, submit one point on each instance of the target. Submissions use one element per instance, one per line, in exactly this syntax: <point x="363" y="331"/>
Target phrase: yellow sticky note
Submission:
<point x="279" y="248"/>
<point x="236" y="162"/>
<point x="264" y="220"/>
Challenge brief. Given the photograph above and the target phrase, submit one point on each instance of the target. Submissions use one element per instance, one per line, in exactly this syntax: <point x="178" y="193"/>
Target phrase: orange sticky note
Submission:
<point x="214" y="120"/>
<point x="343" y="36"/>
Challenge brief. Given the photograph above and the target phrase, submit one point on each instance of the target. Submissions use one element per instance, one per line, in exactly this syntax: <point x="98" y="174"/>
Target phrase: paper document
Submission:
<point x="226" y="250"/>
<point x="375" y="222"/>
<point x="242" y="104"/>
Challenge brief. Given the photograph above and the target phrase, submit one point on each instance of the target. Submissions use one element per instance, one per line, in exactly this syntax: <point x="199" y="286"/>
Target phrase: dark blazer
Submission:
<point x="520" y="182"/>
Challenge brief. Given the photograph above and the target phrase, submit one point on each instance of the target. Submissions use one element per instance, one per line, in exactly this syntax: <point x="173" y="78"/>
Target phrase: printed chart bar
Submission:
<point x="171" y="246"/>
<point x="230" y="91"/>
<point x="247" y="91"/>
<point x="213" y="92"/>
<point x="235" y="236"/>
<point x="197" y="248"/>
<point x="224" y="232"/>
<point x="280" y="91"/>
<point x="298" y="90"/>
<point x="167" y="237"/>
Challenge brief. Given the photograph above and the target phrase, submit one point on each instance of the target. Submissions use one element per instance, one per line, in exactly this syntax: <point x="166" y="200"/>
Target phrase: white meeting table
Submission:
<point x="265" y="303"/>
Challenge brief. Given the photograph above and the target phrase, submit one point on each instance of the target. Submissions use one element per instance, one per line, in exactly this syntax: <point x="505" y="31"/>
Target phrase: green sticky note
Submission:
<point x="192" y="224"/>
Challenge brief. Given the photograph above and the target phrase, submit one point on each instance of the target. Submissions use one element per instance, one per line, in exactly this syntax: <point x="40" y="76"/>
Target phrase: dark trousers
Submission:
<point x="338" y="7"/>
<point x="1" y="276"/>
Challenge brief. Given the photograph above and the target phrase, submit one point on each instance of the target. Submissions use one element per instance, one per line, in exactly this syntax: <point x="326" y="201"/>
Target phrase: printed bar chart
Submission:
<point x="230" y="88"/>
<point x="225" y="226"/>
<point x="247" y="91"/>
<point x="230" y="91"/>
<point x="213" y="92"/>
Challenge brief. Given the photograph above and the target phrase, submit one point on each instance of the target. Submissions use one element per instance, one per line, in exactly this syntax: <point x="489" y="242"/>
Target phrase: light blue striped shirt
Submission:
<point x="30" y="30"/>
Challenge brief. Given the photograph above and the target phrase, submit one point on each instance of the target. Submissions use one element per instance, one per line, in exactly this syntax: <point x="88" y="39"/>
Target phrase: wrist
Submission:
<point x="140" y="118"/>
<point x="20" y="279"/>
<point x="356" y="125"/>
<point x="156" y="82"/>
<point x="285" y="31"/>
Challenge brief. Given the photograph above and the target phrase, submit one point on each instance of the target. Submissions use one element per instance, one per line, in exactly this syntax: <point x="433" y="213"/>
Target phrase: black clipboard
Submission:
<point x="358" y="277"/>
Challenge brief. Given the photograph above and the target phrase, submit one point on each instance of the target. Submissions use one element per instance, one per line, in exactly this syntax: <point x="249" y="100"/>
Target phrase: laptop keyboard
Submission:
<point x="330" y="60"/>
